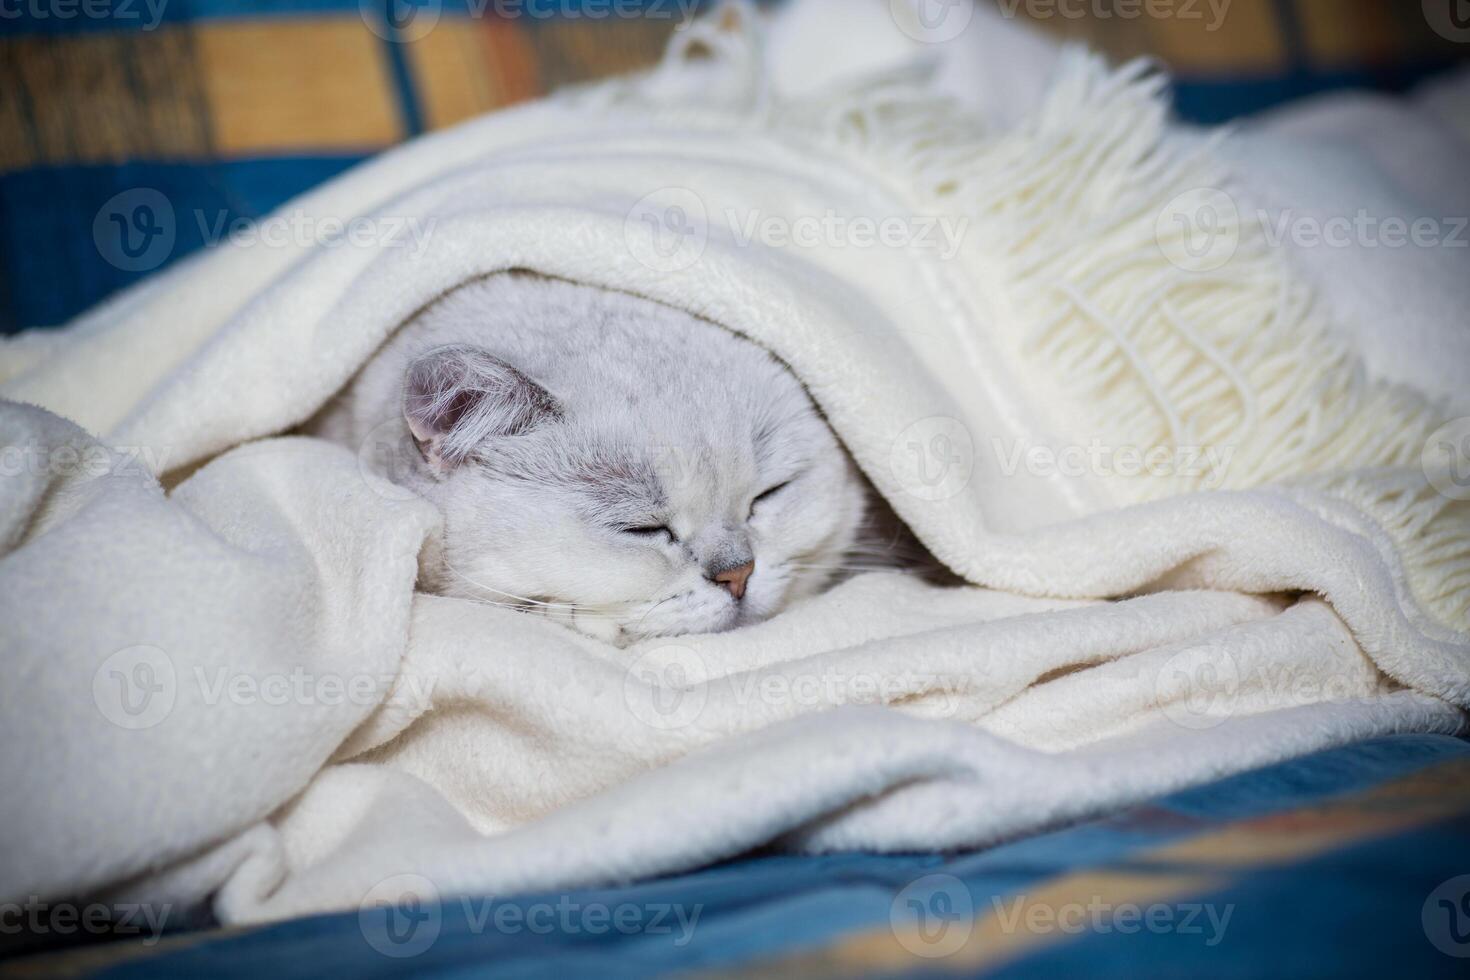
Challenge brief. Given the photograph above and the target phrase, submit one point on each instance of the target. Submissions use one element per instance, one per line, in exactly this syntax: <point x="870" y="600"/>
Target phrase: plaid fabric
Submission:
<point x="228" y="108"/>
<point x="1351" y="862"/>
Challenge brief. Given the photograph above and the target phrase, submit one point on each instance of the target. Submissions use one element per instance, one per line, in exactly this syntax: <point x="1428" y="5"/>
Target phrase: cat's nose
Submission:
<point x="735" y="578"/>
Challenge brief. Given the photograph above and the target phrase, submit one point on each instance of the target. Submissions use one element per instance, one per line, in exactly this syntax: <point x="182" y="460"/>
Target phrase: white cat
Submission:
<point x="617" y="465"/>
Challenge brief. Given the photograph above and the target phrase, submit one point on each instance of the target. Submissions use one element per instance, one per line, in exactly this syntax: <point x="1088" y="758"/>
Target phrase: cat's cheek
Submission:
<point x="770" y="591"/>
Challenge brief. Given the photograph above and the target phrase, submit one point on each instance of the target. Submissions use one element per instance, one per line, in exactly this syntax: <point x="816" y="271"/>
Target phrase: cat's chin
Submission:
<point x="653" y="624"/>
<point x="721" y="618"/>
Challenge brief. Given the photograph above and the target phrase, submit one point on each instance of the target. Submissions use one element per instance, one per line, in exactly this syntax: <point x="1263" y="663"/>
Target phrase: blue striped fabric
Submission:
<point x="1353" y="907"/>
<point x="50" y="252"/>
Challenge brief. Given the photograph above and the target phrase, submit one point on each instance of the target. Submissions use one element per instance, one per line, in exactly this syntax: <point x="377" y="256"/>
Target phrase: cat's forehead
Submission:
<point x="616" y="482"/>
<point x="663" y="467"/>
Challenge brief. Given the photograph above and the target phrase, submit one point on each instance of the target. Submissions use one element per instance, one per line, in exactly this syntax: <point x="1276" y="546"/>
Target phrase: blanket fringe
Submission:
<point x="1086" y="223"/>
<point x="1430" y="533"/>
<point x="1075" y="242"/>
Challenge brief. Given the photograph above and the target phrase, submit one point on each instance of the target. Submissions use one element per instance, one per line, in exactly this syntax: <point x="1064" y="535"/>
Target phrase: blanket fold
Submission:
<point x="1200" y="534"/>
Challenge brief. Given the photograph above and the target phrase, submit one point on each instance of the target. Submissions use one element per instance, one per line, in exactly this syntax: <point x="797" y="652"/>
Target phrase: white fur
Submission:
<point x="654" y="417"/>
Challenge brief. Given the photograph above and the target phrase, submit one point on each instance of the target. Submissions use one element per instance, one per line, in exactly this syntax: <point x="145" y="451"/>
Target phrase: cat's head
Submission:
<point x="690" y="491"/>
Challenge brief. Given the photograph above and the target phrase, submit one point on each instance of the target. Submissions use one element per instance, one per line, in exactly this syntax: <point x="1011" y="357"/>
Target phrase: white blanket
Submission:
<point x="222" y="686"/>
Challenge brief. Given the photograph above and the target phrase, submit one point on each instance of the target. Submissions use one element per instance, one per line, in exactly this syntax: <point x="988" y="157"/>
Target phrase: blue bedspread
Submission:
<point x="1354" y="862"/>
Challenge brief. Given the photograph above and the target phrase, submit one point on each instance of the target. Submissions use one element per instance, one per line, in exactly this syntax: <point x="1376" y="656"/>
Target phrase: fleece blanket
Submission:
<point x="1201" y="533"/>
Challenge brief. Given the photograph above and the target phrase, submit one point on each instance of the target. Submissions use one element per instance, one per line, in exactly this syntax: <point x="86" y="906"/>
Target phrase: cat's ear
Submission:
<point x="457" y="397"/>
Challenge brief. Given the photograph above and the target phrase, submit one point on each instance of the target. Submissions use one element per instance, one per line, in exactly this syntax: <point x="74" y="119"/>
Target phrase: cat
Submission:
<point x="616" y="465"/>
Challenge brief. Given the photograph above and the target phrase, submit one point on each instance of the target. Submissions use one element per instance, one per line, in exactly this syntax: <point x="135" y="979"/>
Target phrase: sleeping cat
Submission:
<point x="614" y="464"/>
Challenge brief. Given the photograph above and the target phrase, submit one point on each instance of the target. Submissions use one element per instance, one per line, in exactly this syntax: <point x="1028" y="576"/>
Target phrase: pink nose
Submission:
<point x="734" y="579"/>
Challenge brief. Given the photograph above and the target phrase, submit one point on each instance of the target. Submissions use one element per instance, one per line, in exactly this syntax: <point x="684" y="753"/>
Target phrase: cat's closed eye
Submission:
<point x="767" y="495"/>
<point x="651" y="531"/>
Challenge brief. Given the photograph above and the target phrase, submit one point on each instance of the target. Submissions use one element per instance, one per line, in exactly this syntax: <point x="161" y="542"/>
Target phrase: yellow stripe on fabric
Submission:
<point x="1189" y="35"/>
<point x="18" y="149"/>
<point x="100" y="98"/>
<point x="1197" y="865"/>
<point x="1348" y="33"/>
<point x="513" y="60"/>
<point x="298" y="84"/>
<point x="570" y="51"/>
<point x="1203" y="37"/>
<point x="465" y="67"/>
<point x="1015" y="925"/>
<point x="1435" y="794"/>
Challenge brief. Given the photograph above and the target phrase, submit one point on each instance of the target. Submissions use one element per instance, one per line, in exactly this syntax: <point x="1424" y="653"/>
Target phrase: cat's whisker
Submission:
<point x="647" y="612"/>
<point x="526" y="603"/>
<point x="848" y="568"/>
